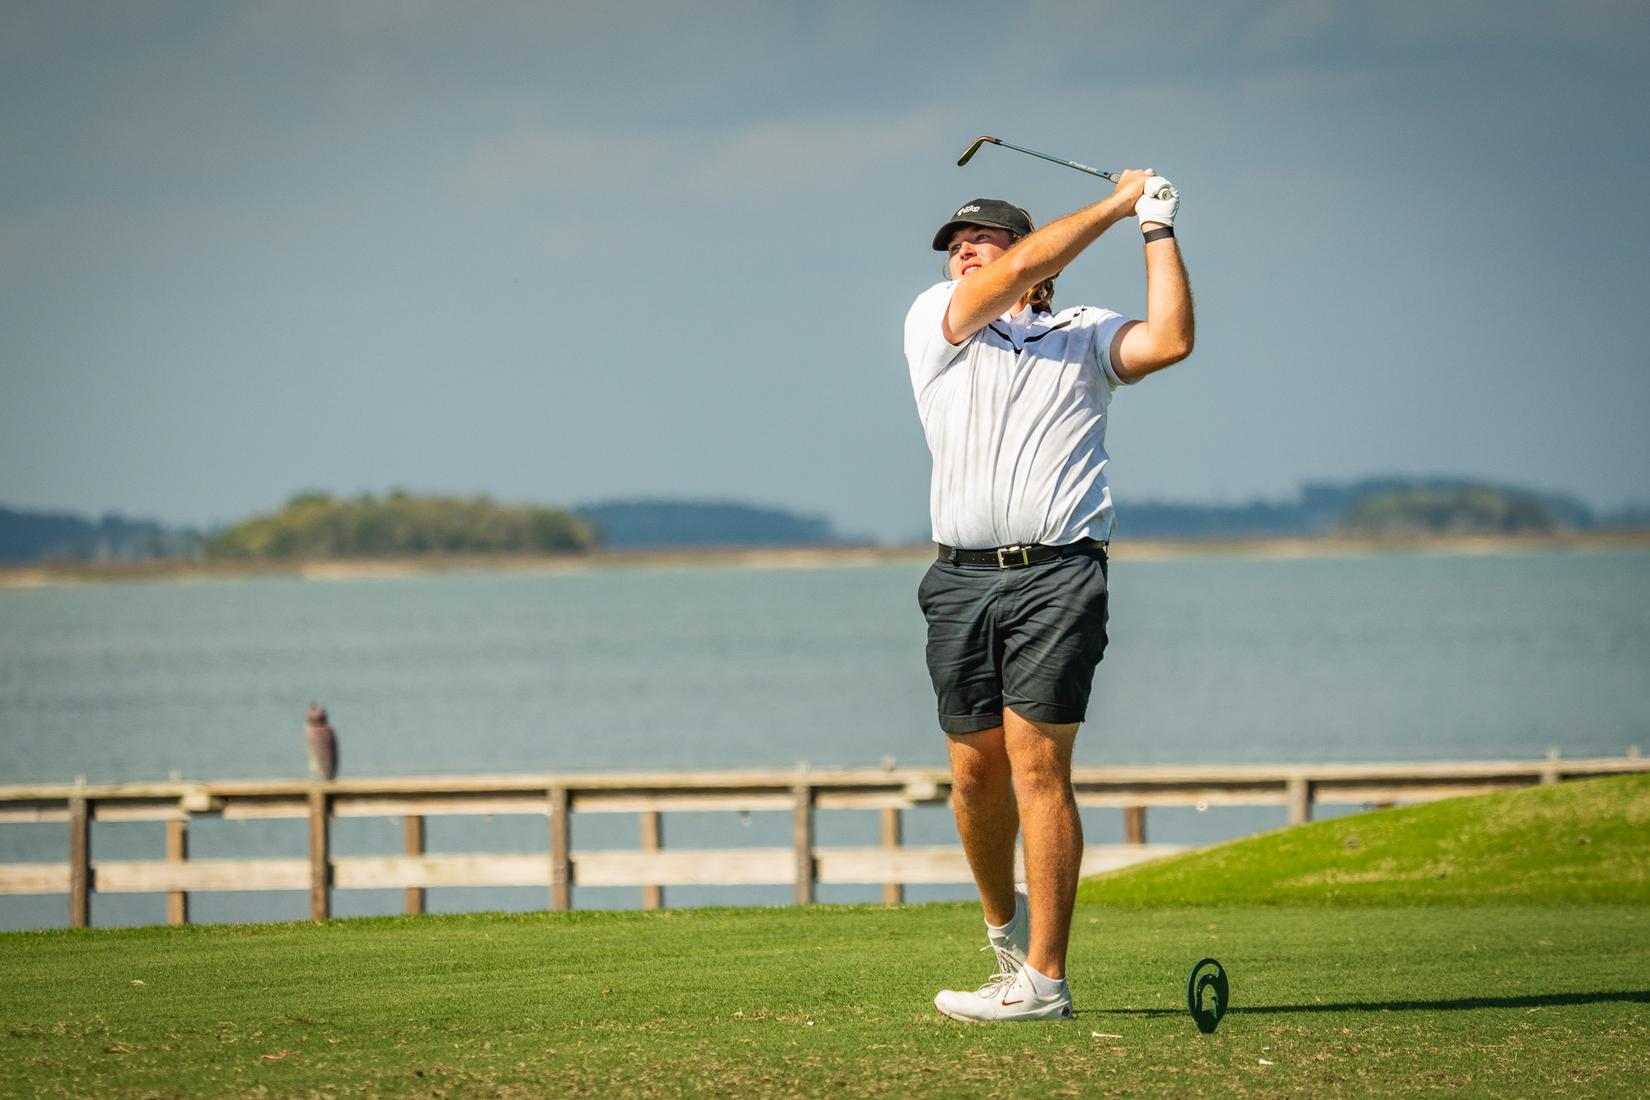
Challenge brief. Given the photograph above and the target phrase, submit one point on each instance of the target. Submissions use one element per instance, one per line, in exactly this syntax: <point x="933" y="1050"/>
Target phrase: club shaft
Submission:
<point x="1055" y="160"/>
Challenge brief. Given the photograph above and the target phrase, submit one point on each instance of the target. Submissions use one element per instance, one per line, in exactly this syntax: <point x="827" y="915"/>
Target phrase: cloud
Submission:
<point x="756" y="155"/>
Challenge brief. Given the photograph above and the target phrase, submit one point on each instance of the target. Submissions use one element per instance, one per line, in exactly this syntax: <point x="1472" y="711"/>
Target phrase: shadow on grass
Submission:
<point x="1533" y="1000"/>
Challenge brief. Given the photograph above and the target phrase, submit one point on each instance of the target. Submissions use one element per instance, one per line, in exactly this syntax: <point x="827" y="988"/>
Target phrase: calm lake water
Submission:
<point x="1392" y="657"/>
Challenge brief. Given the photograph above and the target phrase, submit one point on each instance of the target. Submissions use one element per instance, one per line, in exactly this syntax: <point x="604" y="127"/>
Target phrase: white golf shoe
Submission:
<point x="1009" y="996"/>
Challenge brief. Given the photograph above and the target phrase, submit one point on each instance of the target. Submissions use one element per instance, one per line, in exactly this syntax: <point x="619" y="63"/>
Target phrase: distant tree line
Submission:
<point x="625" y="524"/>
<point x="61" y="536"/>
<point x="1462" y="510"/>
<point x="316" y="525"/>
<point x="1375" y="506"/>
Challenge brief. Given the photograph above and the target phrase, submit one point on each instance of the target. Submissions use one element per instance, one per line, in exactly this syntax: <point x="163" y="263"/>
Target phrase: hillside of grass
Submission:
<point x="1586" y="841"/>
<point x="1508" y="1000"/>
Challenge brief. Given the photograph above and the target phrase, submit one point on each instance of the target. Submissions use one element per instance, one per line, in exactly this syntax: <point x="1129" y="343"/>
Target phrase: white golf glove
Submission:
<point x="1160" y="203"/>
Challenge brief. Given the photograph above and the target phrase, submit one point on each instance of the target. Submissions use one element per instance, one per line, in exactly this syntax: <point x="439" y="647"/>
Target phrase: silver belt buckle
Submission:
<point x="1002" y="560"/>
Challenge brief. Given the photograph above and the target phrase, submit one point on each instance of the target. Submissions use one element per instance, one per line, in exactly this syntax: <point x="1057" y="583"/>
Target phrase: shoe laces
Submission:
<point x="1008" y="969"/>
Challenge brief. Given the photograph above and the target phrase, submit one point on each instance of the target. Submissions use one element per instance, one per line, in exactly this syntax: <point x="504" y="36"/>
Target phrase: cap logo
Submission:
<point x="966" y="210"/>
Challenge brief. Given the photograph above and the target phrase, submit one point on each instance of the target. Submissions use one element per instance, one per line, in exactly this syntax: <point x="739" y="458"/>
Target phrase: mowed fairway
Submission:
<point x="1523" y="996"/>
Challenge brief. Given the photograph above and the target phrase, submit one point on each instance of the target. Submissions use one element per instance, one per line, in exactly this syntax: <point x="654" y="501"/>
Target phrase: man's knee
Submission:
<point x="1039" y="779"/>
<point x="979" y="765"/>
<point x="1041" y="769"/>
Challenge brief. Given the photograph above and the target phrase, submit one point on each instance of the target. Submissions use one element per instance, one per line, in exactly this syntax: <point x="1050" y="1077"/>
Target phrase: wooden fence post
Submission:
<point x="893" y="893"/>
<point x="561" y="851"/>
<point x="653" y="895"/>
<point x="320" y="855"/>
<point x="1300" y="800"/>
<point x="412" y="833"/>
<point x="177" y="851"/>
<point x="1549" y="773"/>
<point x="802" y="839"/>
<point x="1134" y="824"/>
<point x="80" y="862"/>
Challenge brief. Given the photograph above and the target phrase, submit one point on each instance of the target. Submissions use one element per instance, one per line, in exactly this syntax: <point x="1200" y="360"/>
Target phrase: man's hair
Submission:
<point x="1042" y="296"/>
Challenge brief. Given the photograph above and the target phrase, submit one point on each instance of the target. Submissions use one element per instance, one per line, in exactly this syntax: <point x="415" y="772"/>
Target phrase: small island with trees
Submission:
<point x="315" y="526"/>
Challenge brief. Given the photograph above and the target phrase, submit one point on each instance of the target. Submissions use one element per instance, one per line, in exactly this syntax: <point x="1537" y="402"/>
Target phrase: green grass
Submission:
<point x="1528" y="996"/>
<point x="1580" y="842"/>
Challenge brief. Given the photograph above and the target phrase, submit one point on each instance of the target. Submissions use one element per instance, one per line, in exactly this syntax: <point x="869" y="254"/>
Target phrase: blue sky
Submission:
<point x="559" y="252"/>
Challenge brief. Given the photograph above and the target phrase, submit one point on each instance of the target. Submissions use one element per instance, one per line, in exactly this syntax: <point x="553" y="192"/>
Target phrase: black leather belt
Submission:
<point x="1016" y="557"/>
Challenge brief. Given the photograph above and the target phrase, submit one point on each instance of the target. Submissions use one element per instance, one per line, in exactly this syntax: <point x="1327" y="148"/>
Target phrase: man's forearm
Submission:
<point x="1041" y="254"/>
<point x="1169" y="299"/>
<point x="1050" y="250"/>
<point x="1166" y="336"/>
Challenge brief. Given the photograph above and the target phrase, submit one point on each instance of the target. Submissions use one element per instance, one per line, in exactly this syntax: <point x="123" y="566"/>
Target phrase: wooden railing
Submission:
<point x="651" y="866"/>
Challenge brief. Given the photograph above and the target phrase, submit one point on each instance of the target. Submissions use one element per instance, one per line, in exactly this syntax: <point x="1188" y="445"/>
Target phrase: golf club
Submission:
<point x="968" y="155"/>
<point x="983" y="138"/>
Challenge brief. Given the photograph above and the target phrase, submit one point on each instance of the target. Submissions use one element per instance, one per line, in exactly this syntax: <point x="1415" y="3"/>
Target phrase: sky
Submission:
<point x="562" y="252"/>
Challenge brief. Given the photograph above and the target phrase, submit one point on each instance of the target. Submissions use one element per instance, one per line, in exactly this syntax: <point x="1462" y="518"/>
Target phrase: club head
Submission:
<point x="974" y="148"/>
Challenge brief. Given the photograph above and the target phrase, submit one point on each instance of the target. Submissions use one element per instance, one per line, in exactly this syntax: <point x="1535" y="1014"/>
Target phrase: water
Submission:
<point x="1397" y="657"/>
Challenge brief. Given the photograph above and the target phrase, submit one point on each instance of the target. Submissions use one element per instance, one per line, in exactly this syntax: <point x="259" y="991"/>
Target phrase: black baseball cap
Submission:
<point x="992" y="212"/>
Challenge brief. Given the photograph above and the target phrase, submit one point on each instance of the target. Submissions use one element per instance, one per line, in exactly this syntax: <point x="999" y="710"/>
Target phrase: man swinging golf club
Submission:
<point x="1013" y="401"/>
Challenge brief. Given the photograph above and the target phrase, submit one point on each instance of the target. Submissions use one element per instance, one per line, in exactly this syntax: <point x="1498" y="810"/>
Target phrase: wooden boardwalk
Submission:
<point x="560" y="797"/>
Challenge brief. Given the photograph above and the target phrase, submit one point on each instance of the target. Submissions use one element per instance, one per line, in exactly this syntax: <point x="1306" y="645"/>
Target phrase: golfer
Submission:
<point x="1013" y="399"/>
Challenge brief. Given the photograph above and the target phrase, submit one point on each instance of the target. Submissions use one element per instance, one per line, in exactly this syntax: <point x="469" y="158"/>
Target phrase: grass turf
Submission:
<point x="1516" y="997"/>
<point x="1581" y="842"/>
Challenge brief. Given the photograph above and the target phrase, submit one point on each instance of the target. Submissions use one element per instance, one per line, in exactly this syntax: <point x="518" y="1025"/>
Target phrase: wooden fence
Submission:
<point x="652" y="866"/>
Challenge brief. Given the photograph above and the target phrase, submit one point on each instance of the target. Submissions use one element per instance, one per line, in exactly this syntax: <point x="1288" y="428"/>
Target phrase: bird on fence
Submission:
<point x="322" y="743"/>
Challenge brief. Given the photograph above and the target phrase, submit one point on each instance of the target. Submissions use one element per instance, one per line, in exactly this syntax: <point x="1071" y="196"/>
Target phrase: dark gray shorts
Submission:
<point x="1026" y="638"/>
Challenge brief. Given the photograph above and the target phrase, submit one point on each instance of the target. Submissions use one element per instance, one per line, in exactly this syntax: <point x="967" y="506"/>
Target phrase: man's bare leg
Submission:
<point x="1039" y="755"/>
<point x="982" y="797"/>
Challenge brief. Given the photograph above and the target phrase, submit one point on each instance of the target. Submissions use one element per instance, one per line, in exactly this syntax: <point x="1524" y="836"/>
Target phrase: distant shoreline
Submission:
<point x="44" y="574"/>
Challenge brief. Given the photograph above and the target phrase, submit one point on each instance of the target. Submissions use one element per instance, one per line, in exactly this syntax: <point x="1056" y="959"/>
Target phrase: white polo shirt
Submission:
<point x="1015" y="418"/>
